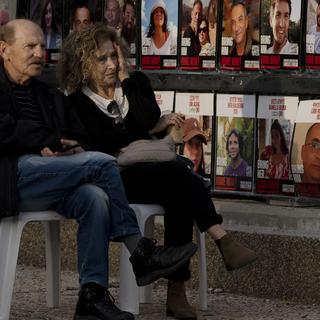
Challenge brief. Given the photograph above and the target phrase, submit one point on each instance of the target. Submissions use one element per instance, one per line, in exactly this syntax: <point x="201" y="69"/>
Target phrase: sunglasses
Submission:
<point x="114" y="109"/>
<point x="204" y="29"/>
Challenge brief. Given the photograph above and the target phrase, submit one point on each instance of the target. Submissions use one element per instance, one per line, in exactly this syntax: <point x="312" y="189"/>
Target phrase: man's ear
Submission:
<point x="4" y="50"/>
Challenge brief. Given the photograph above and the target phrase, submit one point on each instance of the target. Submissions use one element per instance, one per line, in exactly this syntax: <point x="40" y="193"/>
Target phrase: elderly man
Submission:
<point x="310" y="154"/>
<point x="43" y="168"/>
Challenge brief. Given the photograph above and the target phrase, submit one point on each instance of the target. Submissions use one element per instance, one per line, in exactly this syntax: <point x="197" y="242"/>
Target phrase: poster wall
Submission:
<point x="305" y="154"/>
<point x="280" y="34"/>
<point x="276" y="115"/>
<point x="235" y="116"/>
<point x="240" y="35"/>
<point x="199" y="108"/>
<point x="159" y="29"/>
<point x="198" y="34"/>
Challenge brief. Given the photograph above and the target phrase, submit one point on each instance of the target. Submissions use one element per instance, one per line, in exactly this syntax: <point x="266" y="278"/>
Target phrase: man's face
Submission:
<point x="105" y="70"/>
<point x="129" y="17"/>
<point x="310" y="154"/>
<point x="24" y="58"/>
<point x="81" y="18"/>
<point x="239" y="24"/>
<point x="233" y="147"/>
<point x="279" y="21"/>
<point x="196" y="15"/>
<point x="112" y="13"/>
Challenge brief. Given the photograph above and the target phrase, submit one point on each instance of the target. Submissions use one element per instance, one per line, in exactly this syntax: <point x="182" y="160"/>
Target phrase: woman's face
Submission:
<point x="193" y="151"/>
<point x="275" y="139"/>
<point x="158" y="17"/>
<point x="105" y="66"/>
<point x="48" y="15"/>
<point x="203" y="33"/>
<point x="233" y="147"/>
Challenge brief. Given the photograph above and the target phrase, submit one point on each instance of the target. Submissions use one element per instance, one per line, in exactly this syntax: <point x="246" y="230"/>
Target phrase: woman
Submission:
<point x="50" y="27"/>
<point x="277" y="154"/>
<point x="203" y="34"/>
<point x="162" y="41"/>
<point x="238" y="167"/>
<point x="93" y="70"/>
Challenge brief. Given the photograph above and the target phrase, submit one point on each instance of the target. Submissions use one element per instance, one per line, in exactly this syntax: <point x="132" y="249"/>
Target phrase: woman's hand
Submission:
<point x="167" y="120"/>
<point x="122" y="72"/>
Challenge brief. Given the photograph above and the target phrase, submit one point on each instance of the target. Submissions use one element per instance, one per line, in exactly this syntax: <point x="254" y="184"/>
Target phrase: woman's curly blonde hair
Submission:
<point x="77" y="54"/>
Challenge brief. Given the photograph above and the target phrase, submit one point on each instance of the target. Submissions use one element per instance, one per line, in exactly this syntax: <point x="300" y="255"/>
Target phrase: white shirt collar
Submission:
<point x="102" y="103"/>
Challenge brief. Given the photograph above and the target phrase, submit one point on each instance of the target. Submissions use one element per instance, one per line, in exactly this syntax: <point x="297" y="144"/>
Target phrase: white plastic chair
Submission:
<point x="129" y="294"/>
<point x="10" y="235"/>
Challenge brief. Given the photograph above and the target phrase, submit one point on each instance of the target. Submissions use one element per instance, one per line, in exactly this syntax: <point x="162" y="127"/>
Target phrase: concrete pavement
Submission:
<point x="29" y="302"/>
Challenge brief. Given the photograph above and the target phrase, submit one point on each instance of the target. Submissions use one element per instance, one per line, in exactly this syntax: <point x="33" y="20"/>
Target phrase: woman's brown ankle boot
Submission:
<point x="177" y="303"/>
<point x="234" y="254"/>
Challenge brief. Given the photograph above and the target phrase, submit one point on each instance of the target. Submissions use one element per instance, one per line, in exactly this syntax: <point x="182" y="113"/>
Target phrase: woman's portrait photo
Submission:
<point x="48" y="14"/>
<point x="274" y="143"/>
<point x="159" y="25"/>
<point x="234" y="146"/>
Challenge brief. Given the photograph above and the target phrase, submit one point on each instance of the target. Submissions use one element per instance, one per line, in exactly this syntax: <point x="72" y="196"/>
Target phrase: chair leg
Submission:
<point x="203" y="285"/>
<point x="147" y="228"/>
<point x="52" y="238"/>
<point x="10" y="236"/>
<point x="128" y="297"/>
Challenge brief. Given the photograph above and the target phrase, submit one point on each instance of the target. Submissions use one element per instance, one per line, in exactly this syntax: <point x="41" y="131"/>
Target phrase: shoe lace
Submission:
<point x="109" y="297"/>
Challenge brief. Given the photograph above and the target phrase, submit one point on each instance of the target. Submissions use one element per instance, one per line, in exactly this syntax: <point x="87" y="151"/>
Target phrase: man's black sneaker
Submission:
<point x="151" y="262"/>
<point x="96" y="303"/>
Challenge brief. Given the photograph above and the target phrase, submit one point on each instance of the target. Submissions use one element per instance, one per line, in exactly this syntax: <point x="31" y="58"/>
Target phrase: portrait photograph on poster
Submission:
<point x="159" y="30"/>
<point x="198" y="109"/>
<point x="48" y="14"/>
<point x="198" y="34"/>
<point x="80" y="13"/>
<point x="240" y="35"/>
<point x="305" y="153"/>
<point x="235" y="117"/>
<point x="121" y="15"/>
<point x="276" y="116"/>
<point x="112" y="13"/>
<point x="280" y="34"/>
<point x="313" y="35"/>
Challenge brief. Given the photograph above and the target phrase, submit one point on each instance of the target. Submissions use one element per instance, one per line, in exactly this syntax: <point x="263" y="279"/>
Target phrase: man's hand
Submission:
<point x="122" y="72"/>
<point x="69" y="147"/>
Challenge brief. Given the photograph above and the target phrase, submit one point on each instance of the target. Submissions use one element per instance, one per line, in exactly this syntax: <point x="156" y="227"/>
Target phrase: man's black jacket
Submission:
<point x="18" y="136"/>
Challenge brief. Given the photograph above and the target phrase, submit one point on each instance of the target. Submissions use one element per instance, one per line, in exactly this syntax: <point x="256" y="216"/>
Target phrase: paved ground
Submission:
<point x="29" y="302"/>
